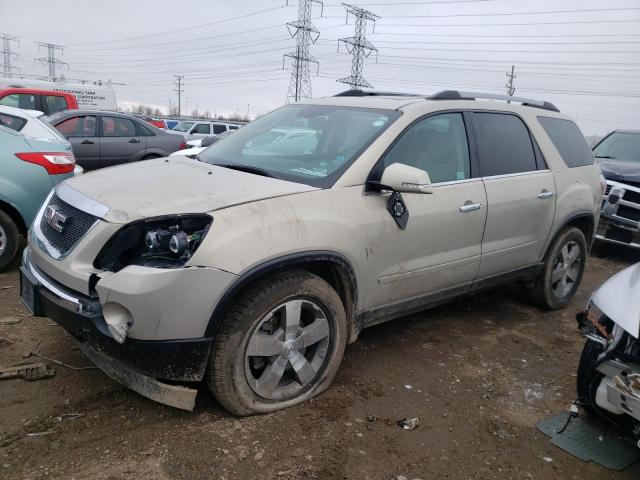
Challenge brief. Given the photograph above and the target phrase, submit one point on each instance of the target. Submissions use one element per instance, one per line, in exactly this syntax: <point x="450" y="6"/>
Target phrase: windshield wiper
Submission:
<point x="246" y="168"/>
<point x="605" y="156"/>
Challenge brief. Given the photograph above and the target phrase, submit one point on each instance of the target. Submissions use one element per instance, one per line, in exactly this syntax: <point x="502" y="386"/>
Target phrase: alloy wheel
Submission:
<point x="287" y="350"/>
<point x="3" y="240"/>
<point x="566" y="269"/>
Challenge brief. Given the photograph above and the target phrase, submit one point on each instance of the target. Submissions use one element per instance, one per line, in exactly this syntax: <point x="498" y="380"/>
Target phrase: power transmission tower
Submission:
<point x="7" y="54"/>
<point x="358" y="45"/>
<point x="305" y="34"/>
<point x="511" y="89"/>
<point x="179" y="90"/>
<point x="51" y="59"/>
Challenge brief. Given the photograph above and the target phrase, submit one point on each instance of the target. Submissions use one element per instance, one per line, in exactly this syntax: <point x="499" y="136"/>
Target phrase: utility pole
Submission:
<point x="7" y="54"/>
<point x="179" y="90"/>
<point x="51" y="59"/>
<point x="511" y="89"/>
<point x="358" y="45"/>
<point x="305" y="34"/>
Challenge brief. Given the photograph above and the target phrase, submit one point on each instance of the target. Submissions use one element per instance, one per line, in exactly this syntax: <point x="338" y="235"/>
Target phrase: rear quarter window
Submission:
<point x="12" y="122"/>
<point x="568" y="140"/>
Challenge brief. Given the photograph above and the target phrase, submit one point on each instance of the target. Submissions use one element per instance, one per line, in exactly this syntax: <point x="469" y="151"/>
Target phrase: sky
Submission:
<point x="582" y="55"/>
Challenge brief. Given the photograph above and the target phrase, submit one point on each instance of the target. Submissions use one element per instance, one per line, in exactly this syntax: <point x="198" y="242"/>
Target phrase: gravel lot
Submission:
<point x="479" y="373"/>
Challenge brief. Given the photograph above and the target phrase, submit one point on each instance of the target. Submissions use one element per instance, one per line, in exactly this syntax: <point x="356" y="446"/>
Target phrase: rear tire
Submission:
<point x="585" y="385"/>
<point x="280" y="344"/>
<point x="9" y="239"/>
<point x="562" y="271"/>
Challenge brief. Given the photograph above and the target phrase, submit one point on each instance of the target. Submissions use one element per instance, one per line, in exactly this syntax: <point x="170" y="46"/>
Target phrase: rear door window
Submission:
<point x="81" y="126"/>
<point x="504" y="144"/>
<point x="118" y="127"/>
<point x="219" y="128"/>
<point x="12" y="122"/>
<point x="54" y="103"/>
<point x="568" y="140"/>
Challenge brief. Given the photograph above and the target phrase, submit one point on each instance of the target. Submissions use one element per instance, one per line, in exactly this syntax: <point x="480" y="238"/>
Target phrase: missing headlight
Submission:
<point x="161" y="242"/>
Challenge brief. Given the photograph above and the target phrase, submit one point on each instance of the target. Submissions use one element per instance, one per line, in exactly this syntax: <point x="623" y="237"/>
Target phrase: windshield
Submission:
<point x="311" y="144"/>
<point x="622" y="146"/>
<point x="183" y="126"/>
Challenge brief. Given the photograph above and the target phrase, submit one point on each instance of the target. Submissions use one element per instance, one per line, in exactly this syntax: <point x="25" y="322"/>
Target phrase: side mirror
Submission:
<point x="403" y="178"/>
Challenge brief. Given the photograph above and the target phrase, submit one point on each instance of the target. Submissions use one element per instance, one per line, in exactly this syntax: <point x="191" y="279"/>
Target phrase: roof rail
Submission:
<point x="457" y="95"/>
<point x="373" y="93"/>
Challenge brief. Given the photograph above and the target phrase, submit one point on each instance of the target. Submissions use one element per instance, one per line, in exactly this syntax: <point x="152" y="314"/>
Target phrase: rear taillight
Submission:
<point x="182" y="146"/>
<point x="55" y="163"/>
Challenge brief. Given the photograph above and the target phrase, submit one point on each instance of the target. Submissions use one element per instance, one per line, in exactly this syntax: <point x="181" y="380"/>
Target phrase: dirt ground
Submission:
<point x="479" y="373"/>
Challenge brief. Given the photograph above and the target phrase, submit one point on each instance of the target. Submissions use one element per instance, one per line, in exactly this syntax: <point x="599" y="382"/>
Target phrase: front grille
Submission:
<point x="629" y="213"/>
<point x="77" y="224"/>
<point x="608" y="189"/>
<point x="631" y="196"/>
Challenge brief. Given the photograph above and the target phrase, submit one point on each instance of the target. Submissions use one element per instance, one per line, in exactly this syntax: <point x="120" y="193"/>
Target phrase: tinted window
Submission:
<point x="82" y="126"/>
<point x="143" y="131"/>
<point x="568" y="140"/>
<point x="437" y="145"/>
<point x="624" y="146"/>
<point x="20" y="100"/>
<point x="12" y="122"/>
<point x="219" y="129"/>
<point x="233" y="127"/>
<point x="55" y="103"/>
<point x="202" y="128"/>
<point x="504" y="144"/>
<point x="118" y="127"/>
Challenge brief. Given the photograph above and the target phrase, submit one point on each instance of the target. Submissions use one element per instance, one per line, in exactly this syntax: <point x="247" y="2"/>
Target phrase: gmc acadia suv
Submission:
<point x="255" y="264"/>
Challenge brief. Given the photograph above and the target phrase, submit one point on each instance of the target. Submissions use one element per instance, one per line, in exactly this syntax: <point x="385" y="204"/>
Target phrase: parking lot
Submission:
<point x="479" y="373"/>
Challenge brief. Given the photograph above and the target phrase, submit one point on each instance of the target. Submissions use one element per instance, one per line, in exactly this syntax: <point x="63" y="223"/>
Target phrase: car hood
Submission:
<point x="620" y="171"/>
<point x="188" y="151"/>
<point x="167" y="186"/>
<point x="618" y="299"/>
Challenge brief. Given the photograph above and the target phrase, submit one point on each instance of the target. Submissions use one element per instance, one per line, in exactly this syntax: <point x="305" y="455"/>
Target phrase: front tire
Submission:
<point x="585" y="384"/>
<point x="562" y="271"/>
<point x="9" y="239"/>
<point x="281" y="344"/>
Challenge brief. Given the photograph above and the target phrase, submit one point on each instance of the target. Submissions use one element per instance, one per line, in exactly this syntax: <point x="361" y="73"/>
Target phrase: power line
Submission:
<point x="508" y="14"/>
<point x="7" y="54"/>
<point x="503" y="24"/>
<point x="192" y="27"/>
<point x="51" y="59"/>
<point x="358" y="46"/>
<point x="305" y="34"/>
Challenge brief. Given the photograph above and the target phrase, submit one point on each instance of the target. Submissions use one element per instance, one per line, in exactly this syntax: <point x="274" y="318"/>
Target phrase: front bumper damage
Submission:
<point x="137" y="364"/>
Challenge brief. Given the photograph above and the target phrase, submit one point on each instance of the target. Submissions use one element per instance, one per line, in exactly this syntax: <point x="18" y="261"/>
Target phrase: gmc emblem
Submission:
<point x="55" y="219"/>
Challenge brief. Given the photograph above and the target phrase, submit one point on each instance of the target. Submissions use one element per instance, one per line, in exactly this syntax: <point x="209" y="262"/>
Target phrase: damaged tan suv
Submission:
<point x="254" y="265"/>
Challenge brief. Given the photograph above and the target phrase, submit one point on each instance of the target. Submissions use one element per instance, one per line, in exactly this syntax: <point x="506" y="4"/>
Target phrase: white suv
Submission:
<point x="254" y="265"/>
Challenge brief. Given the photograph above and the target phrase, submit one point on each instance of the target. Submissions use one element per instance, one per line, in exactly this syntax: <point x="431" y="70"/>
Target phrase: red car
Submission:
<point x="46" y="101"/>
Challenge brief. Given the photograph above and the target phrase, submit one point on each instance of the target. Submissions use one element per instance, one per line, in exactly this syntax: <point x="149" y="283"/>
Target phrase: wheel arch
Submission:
<point x="332" y="267"/>
<point x="584" y="221"/>
<point x="15" y="215"/>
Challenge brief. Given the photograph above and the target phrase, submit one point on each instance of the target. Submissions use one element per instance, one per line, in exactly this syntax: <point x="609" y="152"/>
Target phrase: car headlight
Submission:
<point x="162" y="242"/>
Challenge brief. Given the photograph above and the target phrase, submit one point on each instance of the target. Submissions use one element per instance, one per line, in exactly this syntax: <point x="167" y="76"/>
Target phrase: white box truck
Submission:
<point x="88" y="96"/>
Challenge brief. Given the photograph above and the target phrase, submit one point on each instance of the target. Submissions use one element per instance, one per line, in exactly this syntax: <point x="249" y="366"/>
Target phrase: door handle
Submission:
<point x="134" y="140"/>
<point x="469" y="206"/>
<point x="86" y="142"/>
<point x="545" y="194"/>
